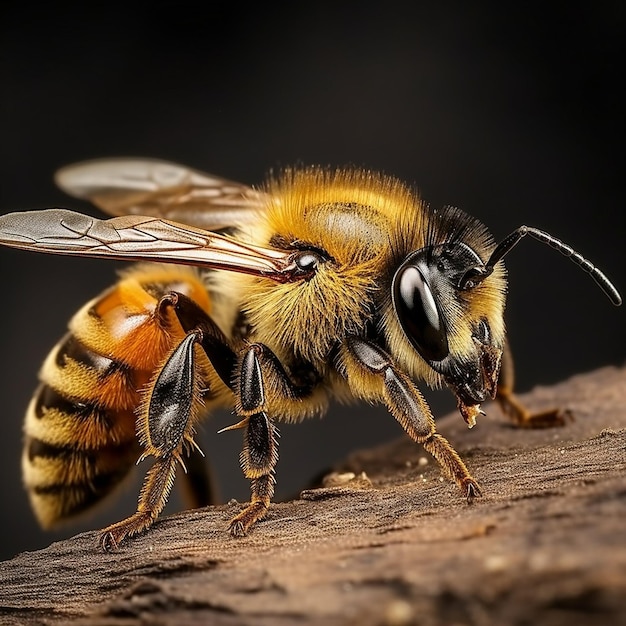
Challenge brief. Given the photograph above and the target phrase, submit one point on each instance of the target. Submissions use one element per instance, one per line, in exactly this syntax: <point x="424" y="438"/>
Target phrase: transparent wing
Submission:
<point x="136" y="186"/>
<point x="133" y="238"/>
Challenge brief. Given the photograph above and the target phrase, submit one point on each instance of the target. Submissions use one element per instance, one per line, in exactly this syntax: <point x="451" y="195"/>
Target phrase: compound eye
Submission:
<point x="419" y="315"/>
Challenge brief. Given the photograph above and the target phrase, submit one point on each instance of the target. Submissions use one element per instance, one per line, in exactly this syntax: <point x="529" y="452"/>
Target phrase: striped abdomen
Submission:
<point x="80" y="436"/>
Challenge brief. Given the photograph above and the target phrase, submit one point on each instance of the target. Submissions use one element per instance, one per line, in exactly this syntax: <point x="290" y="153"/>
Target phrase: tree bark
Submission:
<point x="385" y="541"/>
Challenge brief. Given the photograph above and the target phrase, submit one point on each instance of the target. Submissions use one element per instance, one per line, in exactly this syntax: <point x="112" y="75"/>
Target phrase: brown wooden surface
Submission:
<point x="546" y="544"/>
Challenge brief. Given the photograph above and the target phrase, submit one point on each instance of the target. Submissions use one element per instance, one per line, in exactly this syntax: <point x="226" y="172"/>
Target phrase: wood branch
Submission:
<point x="396" y="544"/>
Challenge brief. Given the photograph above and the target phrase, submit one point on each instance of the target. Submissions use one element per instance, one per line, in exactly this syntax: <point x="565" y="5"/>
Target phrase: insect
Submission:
<point x="324" y="283"/>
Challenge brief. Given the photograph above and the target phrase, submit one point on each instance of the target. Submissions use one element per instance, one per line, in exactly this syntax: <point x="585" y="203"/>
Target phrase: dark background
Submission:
<point x="514" y="114"/>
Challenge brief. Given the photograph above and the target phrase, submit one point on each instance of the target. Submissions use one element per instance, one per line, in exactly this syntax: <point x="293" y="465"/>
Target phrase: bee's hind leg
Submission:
<point x="164" y="426"/>
<point x="166" y="422"/>
<point x="514" y="409"/>
<point x="199" y="487"/>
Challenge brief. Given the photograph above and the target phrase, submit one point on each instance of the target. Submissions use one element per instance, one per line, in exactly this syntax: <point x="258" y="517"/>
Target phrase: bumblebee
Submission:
<point x="323" y="284"/>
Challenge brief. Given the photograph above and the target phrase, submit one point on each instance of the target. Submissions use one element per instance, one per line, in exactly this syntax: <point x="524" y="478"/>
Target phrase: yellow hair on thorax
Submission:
<point x="351" y="214"/>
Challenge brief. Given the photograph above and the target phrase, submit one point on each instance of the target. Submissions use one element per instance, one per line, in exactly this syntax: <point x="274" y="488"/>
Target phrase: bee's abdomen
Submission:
<point x="80" y="439"/>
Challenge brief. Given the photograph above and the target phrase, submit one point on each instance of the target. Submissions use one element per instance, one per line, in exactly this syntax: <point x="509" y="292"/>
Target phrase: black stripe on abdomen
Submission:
<point x="71" y="348"/>
<point x="48" y="399"/>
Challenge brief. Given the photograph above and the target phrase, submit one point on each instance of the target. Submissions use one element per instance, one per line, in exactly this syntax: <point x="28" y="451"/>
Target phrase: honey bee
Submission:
<point x="322" y="284"/>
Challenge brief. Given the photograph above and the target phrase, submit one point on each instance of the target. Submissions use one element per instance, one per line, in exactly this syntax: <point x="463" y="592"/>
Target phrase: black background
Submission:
<point x="513" y="113"/>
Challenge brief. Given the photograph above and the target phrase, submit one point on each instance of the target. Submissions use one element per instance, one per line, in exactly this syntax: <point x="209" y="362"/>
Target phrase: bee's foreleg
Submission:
<point x="407" y="405"/>
<point x="260" y="450"/>
<point x="513" y="408"/>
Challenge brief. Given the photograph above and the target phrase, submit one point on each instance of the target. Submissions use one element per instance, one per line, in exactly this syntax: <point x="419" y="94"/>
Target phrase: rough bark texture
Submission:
<point x="546" y="544"/>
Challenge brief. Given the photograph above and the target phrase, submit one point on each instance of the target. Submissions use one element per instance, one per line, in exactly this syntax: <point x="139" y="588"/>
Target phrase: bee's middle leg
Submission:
<point x="260" y="450"/>
<point x="261" y="368"/>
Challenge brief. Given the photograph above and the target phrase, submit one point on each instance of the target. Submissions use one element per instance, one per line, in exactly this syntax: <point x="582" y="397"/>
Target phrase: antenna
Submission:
<point x="510" y="241"/>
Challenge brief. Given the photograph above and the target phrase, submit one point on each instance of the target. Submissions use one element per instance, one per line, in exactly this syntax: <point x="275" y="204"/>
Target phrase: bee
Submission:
<point x="322" y="284"/>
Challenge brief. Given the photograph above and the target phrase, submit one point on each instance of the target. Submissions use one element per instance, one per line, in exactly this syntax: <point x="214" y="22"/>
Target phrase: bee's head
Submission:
<point x="449" y="303"/>
<point x="452" y="316"/>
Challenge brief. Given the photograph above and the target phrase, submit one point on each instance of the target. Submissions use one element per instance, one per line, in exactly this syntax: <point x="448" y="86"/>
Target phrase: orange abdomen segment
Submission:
<point x="80" y="436"/>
